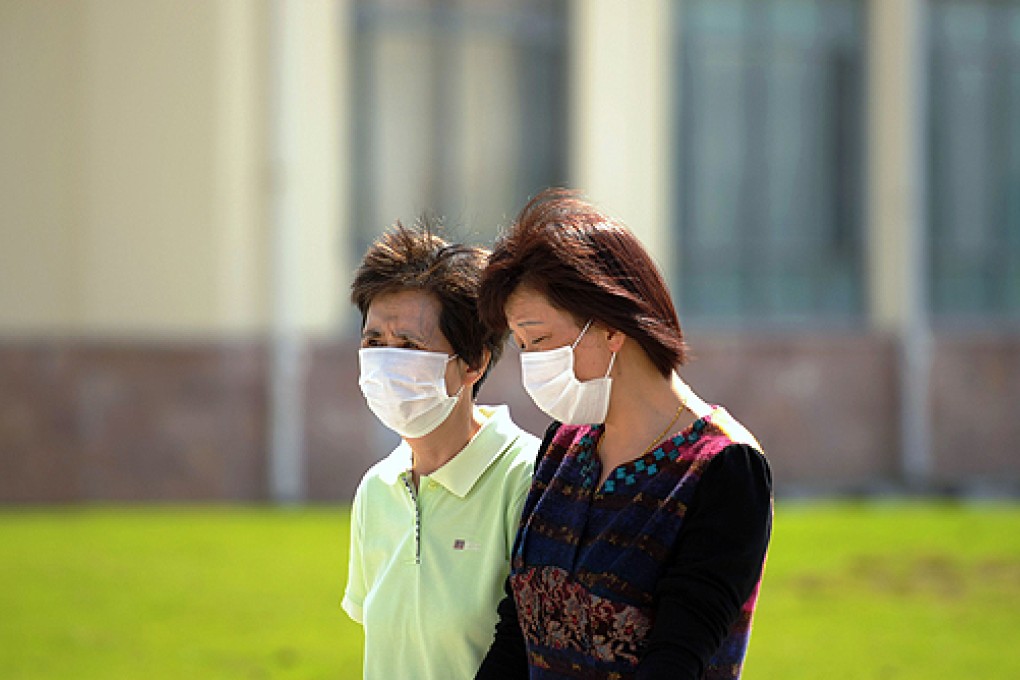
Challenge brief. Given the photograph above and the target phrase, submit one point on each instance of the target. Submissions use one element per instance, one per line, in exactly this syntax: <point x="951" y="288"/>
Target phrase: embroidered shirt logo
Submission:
<point x="465" y="544"/>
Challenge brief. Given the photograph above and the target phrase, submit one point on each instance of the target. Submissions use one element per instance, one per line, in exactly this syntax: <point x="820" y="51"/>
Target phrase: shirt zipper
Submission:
<point x="417" y="519"/>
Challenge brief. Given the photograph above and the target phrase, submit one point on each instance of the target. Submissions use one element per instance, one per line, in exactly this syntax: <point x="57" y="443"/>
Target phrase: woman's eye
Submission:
<point x="524" y="345"/>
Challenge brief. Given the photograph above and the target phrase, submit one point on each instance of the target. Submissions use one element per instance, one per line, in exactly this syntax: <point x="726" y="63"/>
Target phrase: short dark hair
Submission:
<point x="417" y="258"/>
<point x="590" y="266"/>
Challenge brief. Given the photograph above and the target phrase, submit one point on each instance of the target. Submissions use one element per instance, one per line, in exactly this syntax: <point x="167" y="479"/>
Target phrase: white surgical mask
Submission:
<point x="550" y="380"/>
<point x="406" y="388"/>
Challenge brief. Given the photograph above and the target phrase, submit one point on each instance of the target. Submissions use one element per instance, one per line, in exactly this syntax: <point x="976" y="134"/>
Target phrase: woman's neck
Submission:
<point x="439" y="447"/>
<point x="645" y="407"/>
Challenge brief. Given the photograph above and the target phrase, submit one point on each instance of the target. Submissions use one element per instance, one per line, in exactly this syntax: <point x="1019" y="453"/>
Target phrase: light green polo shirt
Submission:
<point x="427" y="567"/>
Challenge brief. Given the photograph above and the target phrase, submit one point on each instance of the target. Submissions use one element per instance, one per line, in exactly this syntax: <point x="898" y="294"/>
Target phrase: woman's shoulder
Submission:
<point x="516" y="446"/>
<point x="517" y="460"/>
<point x="386" y="472"/>
<point x="723" y="430"/>
<point x="730" y="455"/>
<point x="716" y="444"/>
<point x="566" y="436"/>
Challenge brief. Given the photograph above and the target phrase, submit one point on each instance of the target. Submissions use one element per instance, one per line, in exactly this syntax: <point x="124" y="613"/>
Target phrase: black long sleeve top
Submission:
<point x="705" y="584"/>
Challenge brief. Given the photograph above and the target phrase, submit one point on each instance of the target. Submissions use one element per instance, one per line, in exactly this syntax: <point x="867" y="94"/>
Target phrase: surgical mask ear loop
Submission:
<point x="583" y="331"/>
<point x="612" y="359"/>
<point x="457" y="395"/>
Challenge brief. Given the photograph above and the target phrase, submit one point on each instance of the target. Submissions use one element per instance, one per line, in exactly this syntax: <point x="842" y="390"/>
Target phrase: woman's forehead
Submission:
<point x="526" y="307"/>
<point x="405" y="310"/>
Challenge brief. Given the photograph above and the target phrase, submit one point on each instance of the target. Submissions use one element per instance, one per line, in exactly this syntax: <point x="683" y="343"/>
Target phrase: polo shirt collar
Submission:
<point x="463" y="470"/>
<point x="460" y="474"/>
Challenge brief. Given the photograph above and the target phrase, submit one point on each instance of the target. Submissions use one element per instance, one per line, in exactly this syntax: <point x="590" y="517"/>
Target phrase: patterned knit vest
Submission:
<point x="586" y="561"/>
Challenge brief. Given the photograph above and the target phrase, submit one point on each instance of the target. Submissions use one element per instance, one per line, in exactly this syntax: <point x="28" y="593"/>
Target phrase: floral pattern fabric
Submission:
<point x="556" y="611"/>
<point x="586" y="560"/>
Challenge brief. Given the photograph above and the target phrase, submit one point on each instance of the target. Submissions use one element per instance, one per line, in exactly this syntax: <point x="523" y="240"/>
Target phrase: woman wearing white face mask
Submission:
<point x="642" y="542"/>
<point x="433" y="523"/>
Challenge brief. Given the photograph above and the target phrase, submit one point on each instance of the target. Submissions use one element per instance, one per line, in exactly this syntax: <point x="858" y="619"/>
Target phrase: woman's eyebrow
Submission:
<point x="412" y="337"/>
<point x="372" y="333"/>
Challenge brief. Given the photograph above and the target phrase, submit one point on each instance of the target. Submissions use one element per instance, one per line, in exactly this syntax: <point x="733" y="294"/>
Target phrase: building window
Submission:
<point x="769" y="161"/>
<point x="460" y="111"/>
<point x="974" y="185"/>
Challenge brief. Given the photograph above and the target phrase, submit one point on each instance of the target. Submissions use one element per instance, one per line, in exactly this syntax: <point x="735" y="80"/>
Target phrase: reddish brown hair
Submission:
<point x="588" y="265"/>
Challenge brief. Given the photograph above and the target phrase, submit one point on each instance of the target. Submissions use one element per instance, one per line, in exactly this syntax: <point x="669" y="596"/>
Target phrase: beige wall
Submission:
<point x="894" y="216"/>
<point x="492" y="133"/>
<point x="309" y="160"/>
<point x="136" y="188"/>
<point x="621" y="118"/>
<point x="40" y="153"/>
<point x="148" y="242"/>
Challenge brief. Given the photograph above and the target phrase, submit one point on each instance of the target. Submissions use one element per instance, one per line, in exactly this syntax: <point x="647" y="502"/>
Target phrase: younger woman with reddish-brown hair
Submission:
<point x="642" y="541"/>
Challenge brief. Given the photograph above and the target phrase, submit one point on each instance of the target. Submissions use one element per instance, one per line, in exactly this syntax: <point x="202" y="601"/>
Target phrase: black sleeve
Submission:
<point x="715" y="564"/>
<point x="507" y="656"/>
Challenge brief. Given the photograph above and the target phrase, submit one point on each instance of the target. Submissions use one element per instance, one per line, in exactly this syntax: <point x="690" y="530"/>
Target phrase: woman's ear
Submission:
<point x="614" y="339"/>
<point x="473" y="375"/>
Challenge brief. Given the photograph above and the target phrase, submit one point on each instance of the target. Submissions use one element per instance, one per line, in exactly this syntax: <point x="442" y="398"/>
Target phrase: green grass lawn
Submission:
<point x="175" y="593"/>
<point x="851" y="591"/>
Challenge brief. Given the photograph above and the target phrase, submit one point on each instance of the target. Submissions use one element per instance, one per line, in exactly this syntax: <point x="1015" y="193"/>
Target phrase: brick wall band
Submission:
<point x="170" y="421"/>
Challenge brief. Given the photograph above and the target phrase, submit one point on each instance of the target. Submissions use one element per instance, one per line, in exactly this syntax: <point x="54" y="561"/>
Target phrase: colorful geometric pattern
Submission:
<point x="586" y="561"/>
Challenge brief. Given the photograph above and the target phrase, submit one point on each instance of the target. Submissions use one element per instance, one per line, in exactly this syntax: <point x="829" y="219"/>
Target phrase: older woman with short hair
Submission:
<point x="434" y="521"/>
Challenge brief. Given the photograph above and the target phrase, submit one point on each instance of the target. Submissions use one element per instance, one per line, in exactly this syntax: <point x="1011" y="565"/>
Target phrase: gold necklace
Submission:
<point x="676" y="416"/>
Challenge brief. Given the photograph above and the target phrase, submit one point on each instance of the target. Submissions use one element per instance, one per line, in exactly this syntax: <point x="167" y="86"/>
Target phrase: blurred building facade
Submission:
<point x="831" y="186"/>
